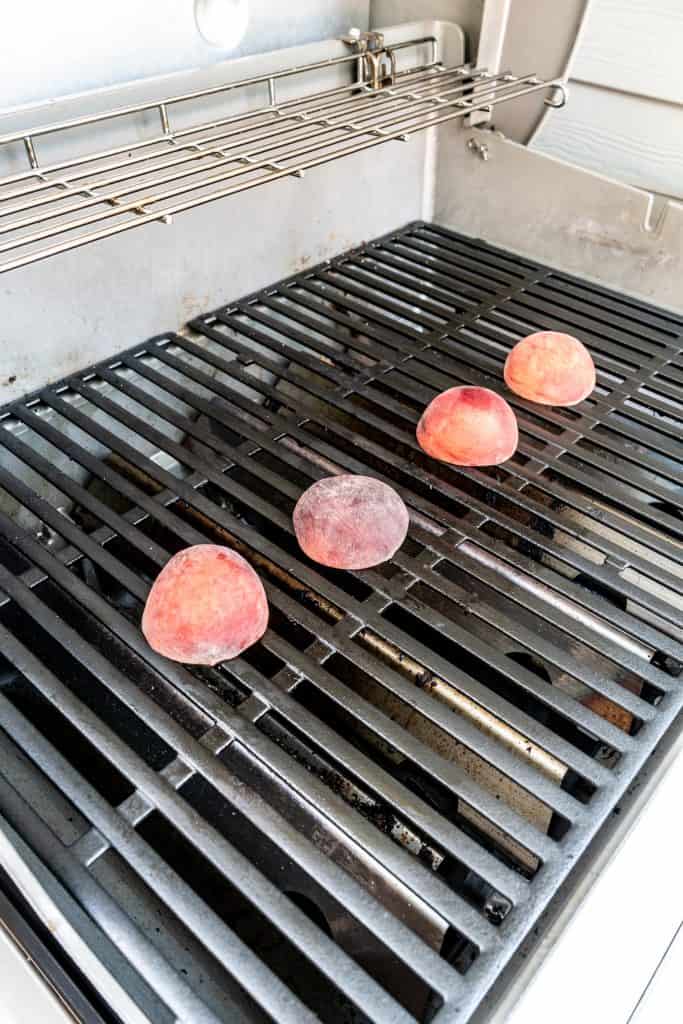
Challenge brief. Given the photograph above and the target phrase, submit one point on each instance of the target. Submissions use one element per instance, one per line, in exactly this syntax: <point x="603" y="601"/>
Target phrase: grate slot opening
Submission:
<point x="634" y="332"/>
<point x="430" y="789"/>
<point x="245" y="920"/>
<point x="414" y="280"/>
<point x="629" y="309"/>
<point x="80" y="752"/>
<point x="385" y="818"/>
<point x="653" y="468"/>
<point x="596" y="528"/>
<point x="80" y="681"/>
<point x="353" y="282"/>
<point x="451" y="507"/>
<point x="169" y="933"/>
<point x="568" y="658"/>
<point x="495" y="680"/>
<point x="477" y="668"/>
<point x="439" y="741"/>
<point x="459" y="263"/>
<point x="515" y="542"/>
<point x="12" y="560"/>
<point x="649" y="512"/>
<point x="297" y="971"/>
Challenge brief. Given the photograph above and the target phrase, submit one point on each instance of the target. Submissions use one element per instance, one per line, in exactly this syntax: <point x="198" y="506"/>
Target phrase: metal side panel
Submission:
<point x="545" y="209"/>
<point x="80" y="938"/>
<point x="27" y="998"/>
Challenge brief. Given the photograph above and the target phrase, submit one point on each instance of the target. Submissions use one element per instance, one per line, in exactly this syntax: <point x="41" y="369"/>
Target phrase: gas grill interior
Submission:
<point x="362" y="817"/>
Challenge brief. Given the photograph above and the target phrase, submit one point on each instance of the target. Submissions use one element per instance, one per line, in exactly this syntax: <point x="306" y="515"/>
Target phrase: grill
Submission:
<point x="363" y="816"/>
<point x="56" y="205"/>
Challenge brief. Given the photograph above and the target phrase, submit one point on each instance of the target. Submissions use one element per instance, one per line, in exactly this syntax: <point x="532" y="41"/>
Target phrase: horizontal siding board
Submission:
<point x="633" y="46"/>
<point x="631" y="138"/>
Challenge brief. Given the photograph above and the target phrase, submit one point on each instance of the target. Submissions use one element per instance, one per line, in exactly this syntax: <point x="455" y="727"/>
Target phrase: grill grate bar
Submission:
<point x="479" y="799"/>
<point x="460" y="916"/>
<point x="445" y="382"/>
<point x="463" y="917"/>
<point x="650" y="514"/>
<point x="431" y="340"/>
<point x="137" y="586"/>
<point x="649" y="486"/>
<point x="582" y="427"/>
<point x="133" y="943"/>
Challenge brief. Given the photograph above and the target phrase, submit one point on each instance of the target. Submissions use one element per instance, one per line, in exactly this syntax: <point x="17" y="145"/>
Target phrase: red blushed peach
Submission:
<point x="207" y="605"/>
<point x="350" y="522"/>
<point x="468" y="426"/>
<point x="550" y="368"/>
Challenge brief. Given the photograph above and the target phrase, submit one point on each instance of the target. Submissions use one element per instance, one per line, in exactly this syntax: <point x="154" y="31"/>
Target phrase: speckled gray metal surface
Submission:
<point x="364" y="815"/>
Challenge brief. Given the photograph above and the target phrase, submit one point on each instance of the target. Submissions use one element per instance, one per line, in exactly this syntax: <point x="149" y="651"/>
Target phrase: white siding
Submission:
<point x="625" y="113"/>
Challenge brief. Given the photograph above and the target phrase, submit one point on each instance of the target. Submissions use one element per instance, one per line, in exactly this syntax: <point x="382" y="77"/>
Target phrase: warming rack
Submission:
<point x="51" y="207"/>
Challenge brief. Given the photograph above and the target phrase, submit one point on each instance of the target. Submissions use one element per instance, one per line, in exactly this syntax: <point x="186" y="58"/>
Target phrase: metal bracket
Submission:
<point x="479" y="148"/>
<point x="373" y="70"/>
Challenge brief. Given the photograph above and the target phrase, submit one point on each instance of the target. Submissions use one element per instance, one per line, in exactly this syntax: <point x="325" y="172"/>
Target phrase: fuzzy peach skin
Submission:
<point x="350" y="522"/>
<point x="550" y="368"/>
<point x="207" y="605"/>
<point x="468" y="426"/>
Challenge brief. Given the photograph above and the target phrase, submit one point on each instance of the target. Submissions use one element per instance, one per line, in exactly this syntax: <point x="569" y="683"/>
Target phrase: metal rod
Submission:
<point x="317" y="99"/>
<point x="30" y="151"/>
<point x="287" y="124"/>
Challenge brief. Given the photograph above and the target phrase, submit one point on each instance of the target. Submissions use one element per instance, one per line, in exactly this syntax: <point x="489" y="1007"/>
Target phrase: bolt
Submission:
<point x="46" y="535"/>
<point x="479" y="148"/>
<point x="497" y="908"/>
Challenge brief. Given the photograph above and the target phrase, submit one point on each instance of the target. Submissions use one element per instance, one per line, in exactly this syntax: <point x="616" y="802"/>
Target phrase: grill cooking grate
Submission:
<point x="408" y="765"/>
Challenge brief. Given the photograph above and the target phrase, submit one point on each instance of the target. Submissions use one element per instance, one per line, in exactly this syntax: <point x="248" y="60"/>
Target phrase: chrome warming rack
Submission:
<point x="49" y="208"/>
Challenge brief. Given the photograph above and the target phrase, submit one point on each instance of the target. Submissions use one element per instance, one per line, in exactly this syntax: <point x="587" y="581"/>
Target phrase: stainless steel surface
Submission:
<point x="360" y="777"/>
<point x="48" y="51"/>
<point x="109" y="191"/>
<point x="580" y="222"/>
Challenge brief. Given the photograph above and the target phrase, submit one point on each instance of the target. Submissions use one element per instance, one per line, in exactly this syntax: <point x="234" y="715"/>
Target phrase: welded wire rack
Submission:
<point x="51" y="207"/>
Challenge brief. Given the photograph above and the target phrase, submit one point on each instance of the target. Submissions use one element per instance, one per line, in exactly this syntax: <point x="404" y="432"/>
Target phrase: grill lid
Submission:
<point x="363" y="816"/>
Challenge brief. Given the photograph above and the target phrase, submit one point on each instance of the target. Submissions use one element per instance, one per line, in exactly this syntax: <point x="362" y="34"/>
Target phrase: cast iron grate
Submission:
<point x="361" y="818"/>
